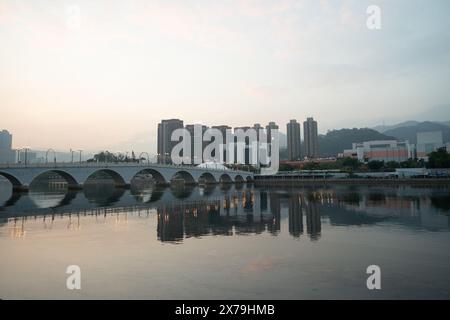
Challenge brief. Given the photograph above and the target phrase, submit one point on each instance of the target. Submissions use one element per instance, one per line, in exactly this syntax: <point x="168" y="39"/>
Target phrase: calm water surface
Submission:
<point x="238" y="242"/>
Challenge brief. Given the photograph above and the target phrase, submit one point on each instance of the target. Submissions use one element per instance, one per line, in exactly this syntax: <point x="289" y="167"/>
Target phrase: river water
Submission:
<point x="232" y="242"/>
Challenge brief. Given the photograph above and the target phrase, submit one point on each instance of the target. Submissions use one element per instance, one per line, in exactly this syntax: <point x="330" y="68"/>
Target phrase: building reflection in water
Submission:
<point x="275" y="209"/>
<point x="295" y="216"/>
<point x="226" y="216"/>
<point x="300" y="205"/>
<point x="243" y="212"/>
<point x="196" y="212"/>
<point x="313" y="222"/>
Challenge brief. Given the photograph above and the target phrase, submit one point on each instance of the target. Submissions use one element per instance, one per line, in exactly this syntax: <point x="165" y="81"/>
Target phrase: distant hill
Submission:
<point x="336" y="141"/>
<point x="384" y="128"/>
<point x="411" y="123"/>
<point x="410" y="133"/>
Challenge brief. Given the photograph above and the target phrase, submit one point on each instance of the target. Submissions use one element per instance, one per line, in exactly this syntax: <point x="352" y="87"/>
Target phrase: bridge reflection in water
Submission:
<point x="227" y="210"/>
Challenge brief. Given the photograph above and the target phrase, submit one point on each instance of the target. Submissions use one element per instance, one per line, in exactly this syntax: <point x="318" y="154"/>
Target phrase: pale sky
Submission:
<point x="108" y="81"/>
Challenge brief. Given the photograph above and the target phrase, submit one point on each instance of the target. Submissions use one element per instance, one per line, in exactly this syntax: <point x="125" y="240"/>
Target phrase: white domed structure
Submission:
<point x="213" y="166"/>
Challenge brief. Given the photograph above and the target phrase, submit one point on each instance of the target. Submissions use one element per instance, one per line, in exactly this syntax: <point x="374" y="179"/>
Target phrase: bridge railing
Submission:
<point x="55" y="165"/>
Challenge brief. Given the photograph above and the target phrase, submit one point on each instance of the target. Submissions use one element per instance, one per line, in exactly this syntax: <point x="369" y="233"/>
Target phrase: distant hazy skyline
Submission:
<point x="108" y="81"/>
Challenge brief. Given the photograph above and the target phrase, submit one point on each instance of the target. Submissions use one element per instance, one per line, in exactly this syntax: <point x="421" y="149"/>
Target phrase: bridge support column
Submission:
<point x="21" y="188"/>
<point x="75" y="186"/>
<point x="123" y="185"/>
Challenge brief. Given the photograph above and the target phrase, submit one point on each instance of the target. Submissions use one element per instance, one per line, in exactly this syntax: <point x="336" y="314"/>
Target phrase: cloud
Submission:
<point x="205" y="27"/>
<point x="264" y="92"/>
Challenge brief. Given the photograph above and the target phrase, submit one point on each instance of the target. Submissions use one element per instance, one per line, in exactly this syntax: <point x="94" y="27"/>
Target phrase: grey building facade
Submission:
<point x="165" y="145"/>
<point x="197" y="131"/>
<point x="7" y="154"/>
<point x="293" y="140"/>
<point x="311" y="138"/>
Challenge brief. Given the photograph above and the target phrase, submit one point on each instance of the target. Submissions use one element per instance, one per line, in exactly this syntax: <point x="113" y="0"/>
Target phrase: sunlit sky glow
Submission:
<point x="131" y="63"/>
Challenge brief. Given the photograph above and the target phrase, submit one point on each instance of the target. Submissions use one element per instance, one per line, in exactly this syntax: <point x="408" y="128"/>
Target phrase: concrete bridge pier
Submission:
<point x="75" y="186"/>
<point x="123" y="185"/>
<point x="20" y="188"/>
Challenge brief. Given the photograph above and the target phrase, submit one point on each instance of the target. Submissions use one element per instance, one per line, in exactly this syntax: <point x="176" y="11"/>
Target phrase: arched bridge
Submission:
<point x="76" y="175"/>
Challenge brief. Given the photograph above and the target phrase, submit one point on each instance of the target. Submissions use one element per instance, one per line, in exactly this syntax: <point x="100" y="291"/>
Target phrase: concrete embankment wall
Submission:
<point x="319" y="182"/>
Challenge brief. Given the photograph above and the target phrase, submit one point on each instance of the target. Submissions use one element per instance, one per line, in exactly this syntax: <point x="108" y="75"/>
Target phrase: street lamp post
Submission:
<point x="80" y="151"/>
<point x="166" y="158"/>
<point x="54" y="156"/>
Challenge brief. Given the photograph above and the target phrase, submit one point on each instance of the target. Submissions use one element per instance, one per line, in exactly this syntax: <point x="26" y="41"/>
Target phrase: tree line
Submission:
<point x="436" y="160"/>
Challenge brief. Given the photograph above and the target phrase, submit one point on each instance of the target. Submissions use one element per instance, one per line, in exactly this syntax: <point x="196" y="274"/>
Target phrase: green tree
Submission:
<point x="392" y="165"/>
<point x="311" y="166"/>
<point x="106" y="156"/>
<point x="351" y="163"/>
<point x="375" y="165"/>
<point x="412" y="163"/>
<point x="439" y="159"/>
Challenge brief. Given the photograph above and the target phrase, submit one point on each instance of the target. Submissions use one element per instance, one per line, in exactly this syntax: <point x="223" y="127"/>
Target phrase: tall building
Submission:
<point x="165" y="145"/>
<point x="257" y="127"/>
<point x="246" y="156"/>
<point x="269" y="128"/>
<point x="197" y="131"/>
<point x="428" y="142"/>
<point x="293" y="140"/>
<point x="311" y="138"/>
<point x="7" y="154"/>
<point x="224" y="129"/>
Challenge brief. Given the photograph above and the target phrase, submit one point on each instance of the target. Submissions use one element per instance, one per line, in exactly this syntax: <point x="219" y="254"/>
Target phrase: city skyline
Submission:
<point x="120" y="70"/>
<point x="297" y="140"/>
<point x="199" y="153"/>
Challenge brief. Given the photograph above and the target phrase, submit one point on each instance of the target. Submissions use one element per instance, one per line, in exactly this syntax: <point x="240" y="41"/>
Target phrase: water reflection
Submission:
<point x="103" y="194"/>
<point x="186" y="212"/>
<point x="50" y="198"/>
<point x="5" y="191"/>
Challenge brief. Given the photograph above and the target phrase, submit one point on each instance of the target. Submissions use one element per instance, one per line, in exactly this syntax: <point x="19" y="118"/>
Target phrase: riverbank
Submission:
<point x="315" y="182"/>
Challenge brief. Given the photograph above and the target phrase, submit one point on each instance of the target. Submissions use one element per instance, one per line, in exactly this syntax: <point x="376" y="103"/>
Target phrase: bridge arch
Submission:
<point x="114" y="175"/>
<point x="249" y="178"/>
<point x="186" y="176"/>
<point x="206" y="178"/>
<point x="71" y="181"/>
<point x="103" y="195"/>
<point x="238" y="178"/>
<point x="156" y="175"/>
<point x="12" y="179"/>
<point x="225" y="178"/>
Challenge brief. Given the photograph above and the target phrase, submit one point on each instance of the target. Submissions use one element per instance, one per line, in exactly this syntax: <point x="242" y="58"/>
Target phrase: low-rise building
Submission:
<point x="383" y="150"/>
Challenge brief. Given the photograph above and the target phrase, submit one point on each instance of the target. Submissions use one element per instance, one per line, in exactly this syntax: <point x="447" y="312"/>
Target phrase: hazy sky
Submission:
<point x="108" y="81"/>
